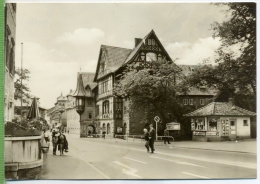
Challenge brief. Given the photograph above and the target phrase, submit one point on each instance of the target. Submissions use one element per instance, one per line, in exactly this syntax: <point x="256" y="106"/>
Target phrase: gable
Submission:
<point x="110" y="59"/>
<point x="150" y="48"/>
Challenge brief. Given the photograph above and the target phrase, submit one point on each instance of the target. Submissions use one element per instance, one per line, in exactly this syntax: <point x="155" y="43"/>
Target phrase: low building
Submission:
<point x="220" y="121"/>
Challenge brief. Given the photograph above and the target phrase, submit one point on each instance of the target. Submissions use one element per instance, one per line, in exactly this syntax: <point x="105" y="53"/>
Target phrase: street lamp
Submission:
<point x="80" y="97"/>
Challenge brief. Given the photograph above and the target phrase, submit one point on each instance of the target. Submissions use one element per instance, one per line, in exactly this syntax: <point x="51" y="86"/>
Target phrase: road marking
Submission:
<point x="184" y="163"/>
<point x="134" y="160"/>
<point x="250" y="166"/>
<point x="198" y="176"/>
<point x="129" y="172"/>
<point x="91" y="165"/>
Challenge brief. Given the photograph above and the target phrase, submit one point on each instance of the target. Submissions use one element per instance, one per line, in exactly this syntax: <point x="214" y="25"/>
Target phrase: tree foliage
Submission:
<point x="239" y="30"/>
<point x="235" y="72"/>
<point x="21" y="89"/>
<point x="153" y="90"/>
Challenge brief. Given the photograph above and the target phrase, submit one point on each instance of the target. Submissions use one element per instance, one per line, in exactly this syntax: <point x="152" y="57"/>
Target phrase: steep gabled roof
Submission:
<point x="115" y="57"/>
<point x="138" y="47"/>
<point x="88" y="79"/>
<point x="220" y="109"/>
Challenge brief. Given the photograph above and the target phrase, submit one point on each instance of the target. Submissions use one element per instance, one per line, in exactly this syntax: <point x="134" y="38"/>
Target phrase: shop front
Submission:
<point x="210" y="123"/>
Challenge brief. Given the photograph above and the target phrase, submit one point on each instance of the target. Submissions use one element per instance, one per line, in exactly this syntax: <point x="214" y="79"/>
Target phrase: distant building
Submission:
<point x="73" y="124"/>
<point x="9" y="57"/>
<point x="58" y="116"/>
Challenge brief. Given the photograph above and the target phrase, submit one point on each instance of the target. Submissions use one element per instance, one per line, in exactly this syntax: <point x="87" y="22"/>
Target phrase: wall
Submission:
<point x="243" y="131"/>
<point x="9" y="78"/>
<point x="73" y="121"/>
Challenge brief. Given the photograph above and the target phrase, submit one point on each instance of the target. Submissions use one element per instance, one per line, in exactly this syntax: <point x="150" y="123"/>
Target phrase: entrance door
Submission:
<point x="233" y="131"/>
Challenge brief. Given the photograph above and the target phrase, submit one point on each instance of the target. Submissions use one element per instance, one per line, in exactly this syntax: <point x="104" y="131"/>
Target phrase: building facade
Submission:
<point x="73" y="125"/>
<point x="58" y="116"/>
<point x="112" y="113"/>
<point x="10" y="30"/>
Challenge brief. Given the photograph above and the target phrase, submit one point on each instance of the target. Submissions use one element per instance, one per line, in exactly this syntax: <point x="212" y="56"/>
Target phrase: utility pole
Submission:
<point x="21" y="78"/>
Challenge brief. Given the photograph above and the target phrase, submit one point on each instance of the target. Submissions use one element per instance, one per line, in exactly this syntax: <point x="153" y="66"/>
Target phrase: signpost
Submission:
<point x="156" y="119"/>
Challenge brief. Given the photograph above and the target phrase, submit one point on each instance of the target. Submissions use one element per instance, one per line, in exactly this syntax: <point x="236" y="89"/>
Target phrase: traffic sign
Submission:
<point x="156" y="118"/>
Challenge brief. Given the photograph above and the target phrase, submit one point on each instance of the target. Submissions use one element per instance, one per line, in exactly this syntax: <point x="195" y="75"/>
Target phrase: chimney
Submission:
<point x="137" y="41"/>
<point x="231" y="101"/>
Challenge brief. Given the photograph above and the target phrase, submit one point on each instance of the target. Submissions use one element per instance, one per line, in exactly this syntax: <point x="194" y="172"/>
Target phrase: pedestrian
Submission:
<point x="166" y="136"/>
<point x="151" y="138"/>
<point x="54" y="141"/>
<point x="46" y="136"/>
<point x="146" y="138"/>
<point x="61" y="142"/>
<point x="104" y="134"/>
<point x="68" y="131"/>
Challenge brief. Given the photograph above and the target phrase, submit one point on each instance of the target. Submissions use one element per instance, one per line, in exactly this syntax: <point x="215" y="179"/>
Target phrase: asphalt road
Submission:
<point x="90" y="158"/>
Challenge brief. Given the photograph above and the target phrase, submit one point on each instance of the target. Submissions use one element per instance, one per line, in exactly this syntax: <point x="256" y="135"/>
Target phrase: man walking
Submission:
<point x="152" y="138"/>
<point x="146" y="138"/>
<point x="166" y="136"/>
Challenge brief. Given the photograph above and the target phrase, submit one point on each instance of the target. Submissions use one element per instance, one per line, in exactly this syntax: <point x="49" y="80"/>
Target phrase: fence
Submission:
<point x="140" y="137"/>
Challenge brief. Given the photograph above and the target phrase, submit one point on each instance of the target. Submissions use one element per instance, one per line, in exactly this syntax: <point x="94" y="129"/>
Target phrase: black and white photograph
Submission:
<point x="130" y="91"/>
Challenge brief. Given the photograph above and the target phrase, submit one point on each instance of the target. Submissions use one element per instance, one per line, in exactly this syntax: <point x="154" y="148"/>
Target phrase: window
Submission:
<point x="90" y="115"/>
<point x="191" y="101"/>
<point x="202" y="101"/>
<point x="106" y="107"/>
<point x="90" y="102"/>
<point x="245" y="123"/>
<point x="197" y="124"/>
<point x="97" y="110"/>
<point x="212" y="124"/>
<point x="150" y="56"/>
<point x="232" y="123"/>
<point x="185" y="101"/>
<point x="118" y="106"/>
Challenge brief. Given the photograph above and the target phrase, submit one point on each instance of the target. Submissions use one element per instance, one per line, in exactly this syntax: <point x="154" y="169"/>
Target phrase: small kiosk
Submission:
<point x="219" y="121"/>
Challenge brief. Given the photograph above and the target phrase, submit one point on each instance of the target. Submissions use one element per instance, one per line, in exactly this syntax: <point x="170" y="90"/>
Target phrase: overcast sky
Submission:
<point x="59" y="39"/>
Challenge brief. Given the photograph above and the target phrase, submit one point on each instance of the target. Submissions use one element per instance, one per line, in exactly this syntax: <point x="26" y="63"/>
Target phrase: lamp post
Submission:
<point x="80" y="97"/>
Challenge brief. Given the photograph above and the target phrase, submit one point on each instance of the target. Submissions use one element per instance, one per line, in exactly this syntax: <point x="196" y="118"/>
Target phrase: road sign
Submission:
<point x="156" y="119"/>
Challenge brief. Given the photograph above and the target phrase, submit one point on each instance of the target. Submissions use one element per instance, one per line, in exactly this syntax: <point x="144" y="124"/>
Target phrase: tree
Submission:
<point x="239" y="30"/>
<point x="21" y="89"/>
<point x="153" y="90"/>
<point x="235" y="72"/>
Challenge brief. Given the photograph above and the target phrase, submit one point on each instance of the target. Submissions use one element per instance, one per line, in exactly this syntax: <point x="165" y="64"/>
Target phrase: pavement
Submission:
<point x="242" y="146"/>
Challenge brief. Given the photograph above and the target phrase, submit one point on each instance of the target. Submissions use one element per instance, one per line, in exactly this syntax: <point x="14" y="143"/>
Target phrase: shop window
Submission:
<point x="191" y="101"/>
<point x="198" y="124"/>
<point x="185" y="101"/>
<point x="245" y="123"/>
<point x="212" y="125"/>
<point x="202" y="101"/>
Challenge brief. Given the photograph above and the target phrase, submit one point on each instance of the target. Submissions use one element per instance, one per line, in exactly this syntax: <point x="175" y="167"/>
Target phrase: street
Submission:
<point x="96" y="158"/>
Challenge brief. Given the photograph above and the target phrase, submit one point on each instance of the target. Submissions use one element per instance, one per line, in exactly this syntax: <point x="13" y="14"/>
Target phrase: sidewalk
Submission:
<point x="242" y="146"/>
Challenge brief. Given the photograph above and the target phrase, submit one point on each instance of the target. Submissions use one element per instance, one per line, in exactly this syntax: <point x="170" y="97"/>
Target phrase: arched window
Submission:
<point x="150" y="56"/>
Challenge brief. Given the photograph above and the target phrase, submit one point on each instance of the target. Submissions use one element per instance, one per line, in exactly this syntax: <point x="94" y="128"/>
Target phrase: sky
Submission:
<point x="60" y="40"/>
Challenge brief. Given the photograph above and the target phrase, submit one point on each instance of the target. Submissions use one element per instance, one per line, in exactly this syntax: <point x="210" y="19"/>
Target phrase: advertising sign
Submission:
<point x="173" y="126"/>
<point x="199" y="133"/>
